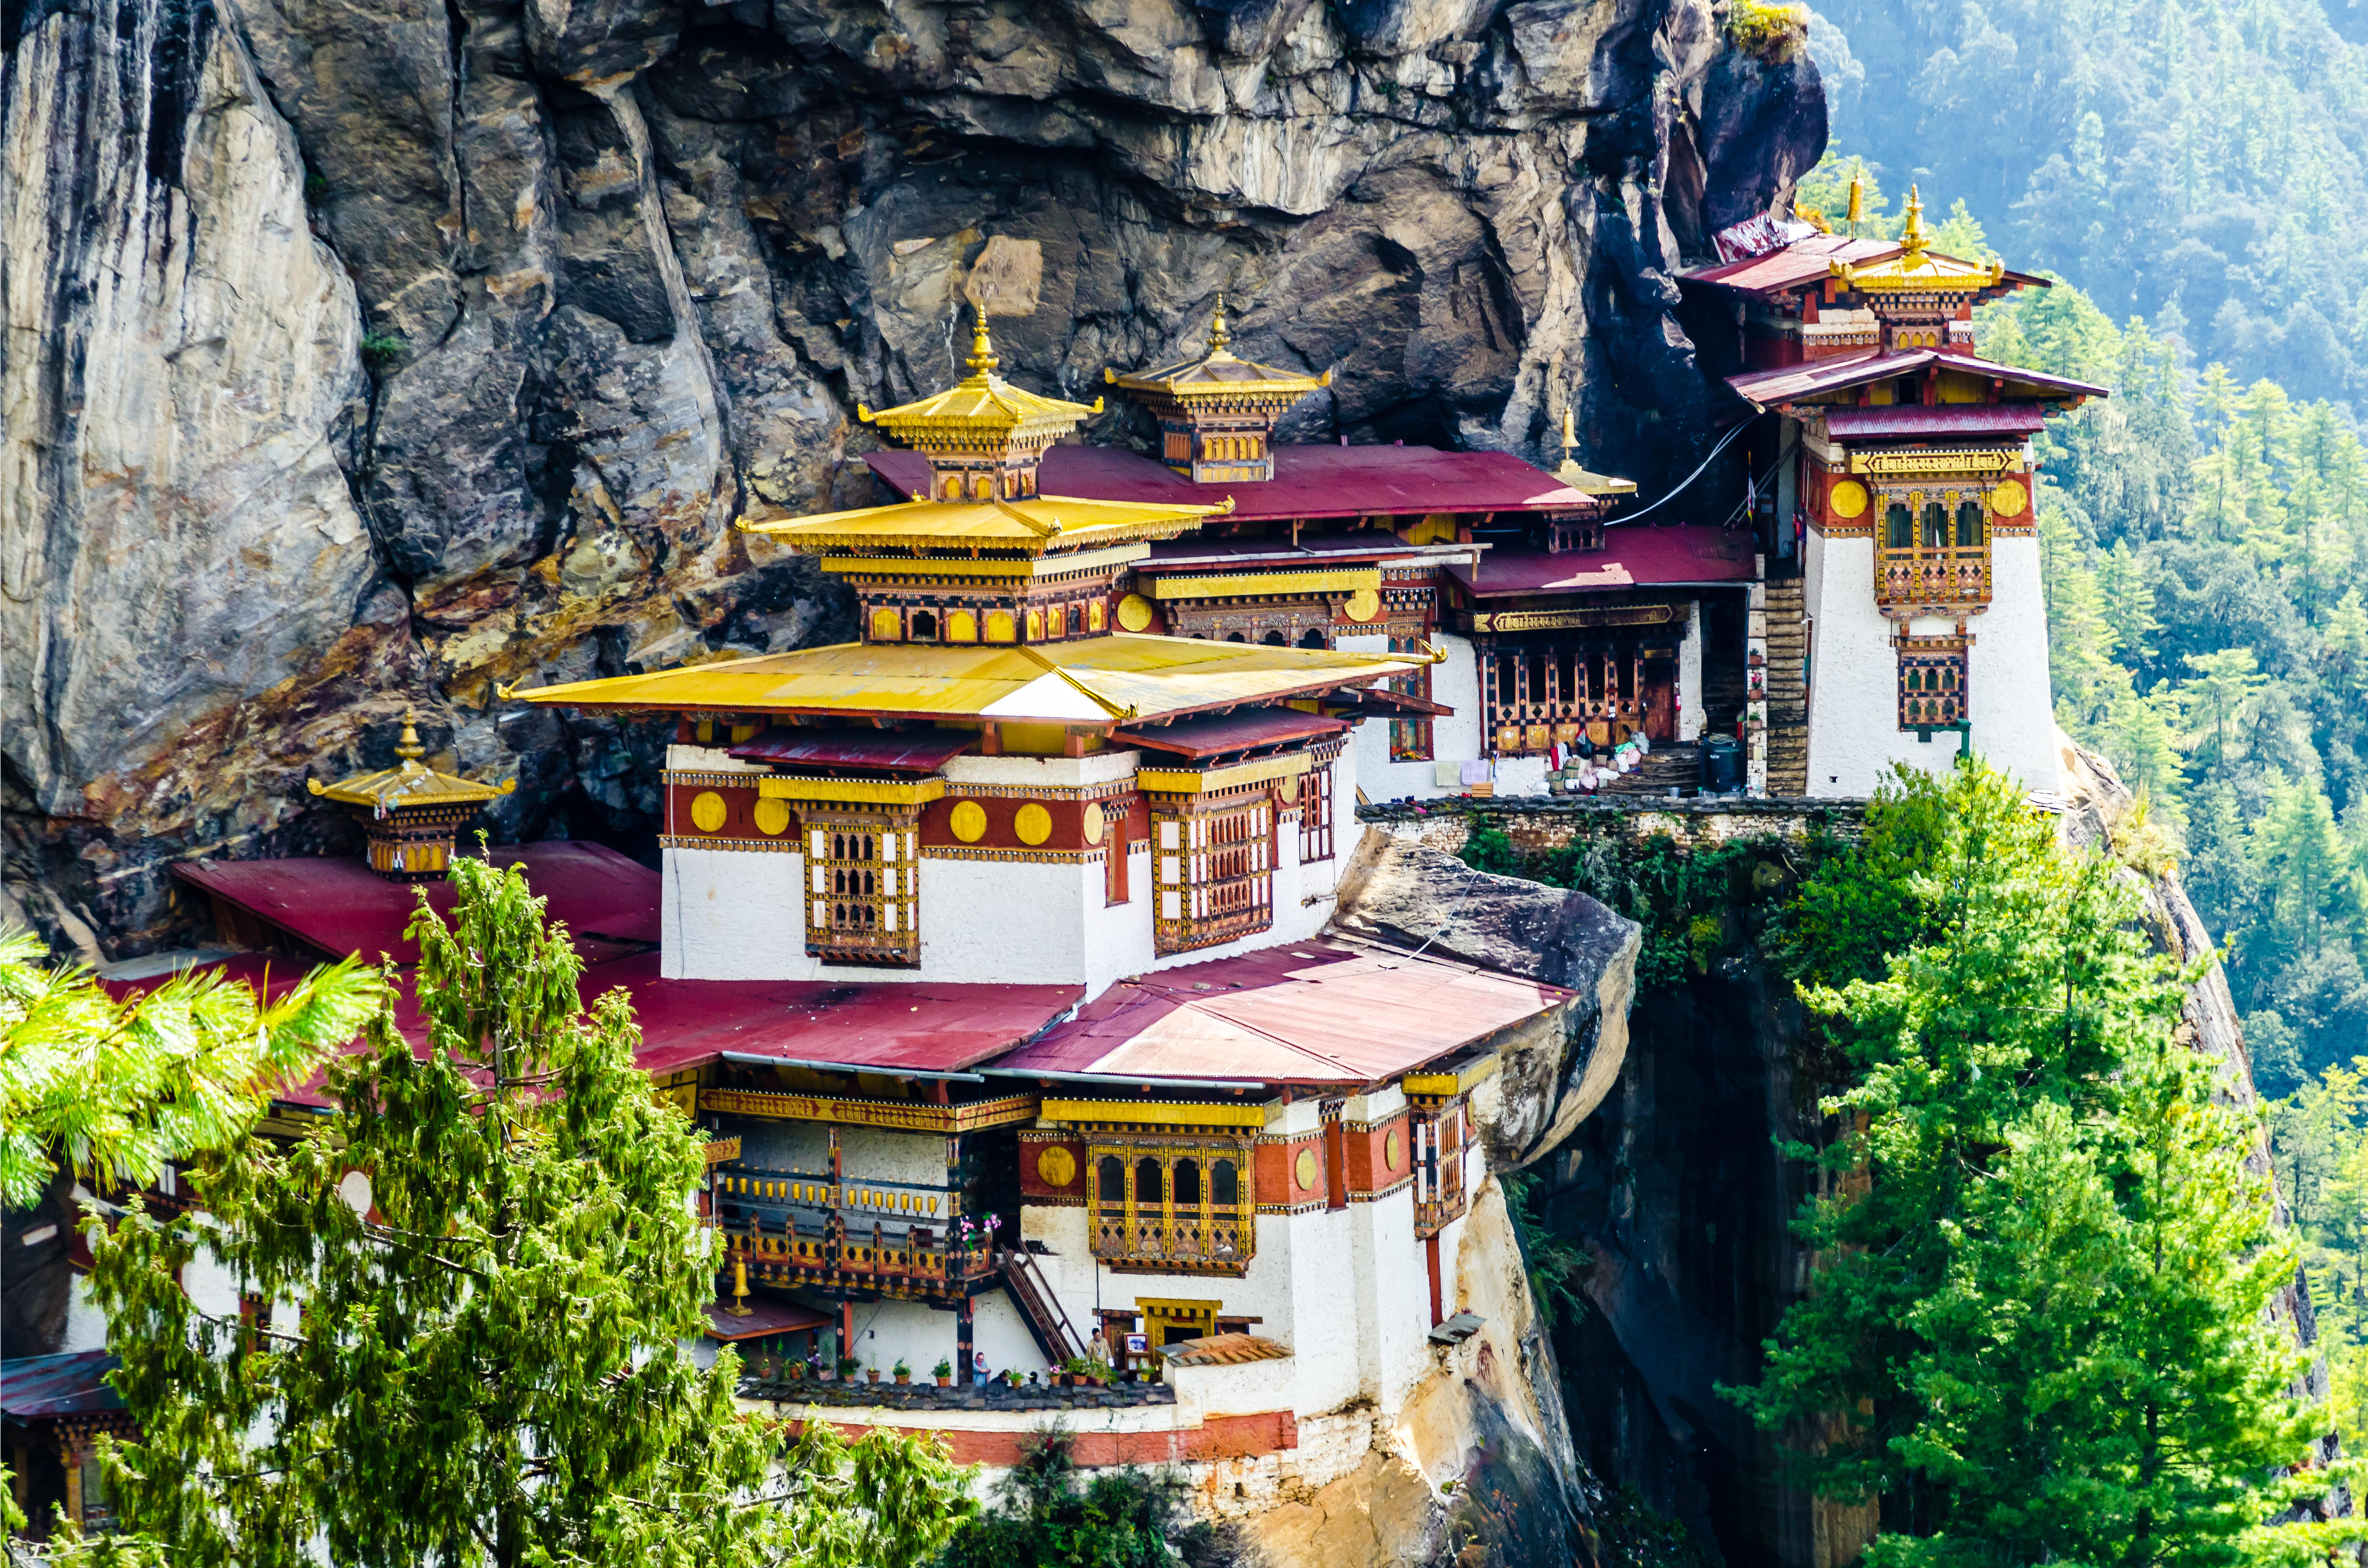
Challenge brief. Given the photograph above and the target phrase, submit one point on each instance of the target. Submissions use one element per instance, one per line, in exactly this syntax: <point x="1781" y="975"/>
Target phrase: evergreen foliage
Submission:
<point x="2201" y="544"/>
<point x="1052" y="1515"/>
<point x="2202" y="163"/>
<point x="113" y="1090"/>
<point x="486" y="1362"/>
<point x="2039" y="1331"/>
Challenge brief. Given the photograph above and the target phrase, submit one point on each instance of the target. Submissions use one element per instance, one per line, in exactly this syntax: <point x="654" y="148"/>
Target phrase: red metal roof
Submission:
<point x="887" y="751"/>
<point x="1230" y="731"/>
<point x="1324" y="1012"/>
<point x="1309" y="481"/>
<point x="1801" y="262"/>
<point x="337" y="906"/>
<point x="1788" y="383"/>
<point x="1638" y="555"/>
<point x="883" y="1027"/>
<point x="766" y="1315"/>
<point x="1945" y="419"/>
<point x="1810" y="261"/>
<point x="40" y="1388"/>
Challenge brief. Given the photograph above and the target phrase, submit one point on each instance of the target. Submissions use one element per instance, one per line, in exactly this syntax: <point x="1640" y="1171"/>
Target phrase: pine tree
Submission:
<point x="2039" y="1332"/>
<point x="114" y="1090"/>
<point x="478" y="1356"/>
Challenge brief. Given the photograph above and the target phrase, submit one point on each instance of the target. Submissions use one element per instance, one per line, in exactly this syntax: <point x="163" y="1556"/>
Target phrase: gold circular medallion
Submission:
<point x="2010" y="499"/>
<point x="1033" y="823"/>
<point x="707" y="810"/>
<point x="1847" y="498"/>
<point x="969" y="821"/>
<point x="1305" y="1170"/>
<point x="772" y="817"/>
<point x="1056" y="1166"/>
<point x="1390" y="1151"/>
<point x="1133" y="613"/>
<point x="1094" y="823"/>
<point x="1363" y="605"/>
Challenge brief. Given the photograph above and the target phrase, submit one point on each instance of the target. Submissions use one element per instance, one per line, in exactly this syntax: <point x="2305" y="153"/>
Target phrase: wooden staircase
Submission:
<point x="1047" y="1324"/>
<point x="1788" y="695"/>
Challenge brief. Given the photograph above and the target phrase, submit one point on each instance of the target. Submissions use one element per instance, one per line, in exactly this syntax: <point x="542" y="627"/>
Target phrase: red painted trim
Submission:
<point x="1219" y="1437"/>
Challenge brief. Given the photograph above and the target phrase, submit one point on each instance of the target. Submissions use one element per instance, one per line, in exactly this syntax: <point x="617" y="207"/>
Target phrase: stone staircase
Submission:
<point x="1666" y="768"/>
<point x="1788" y="696"/>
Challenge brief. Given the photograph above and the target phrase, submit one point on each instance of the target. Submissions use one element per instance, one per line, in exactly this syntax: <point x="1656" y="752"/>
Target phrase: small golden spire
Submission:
<point x="1913" y="235"/>
<point x="1218" y="336"/>
<point x="1569" y="439"/>
<point x="981" y="361"/>
<point x="408" y="748"/>
<point x="1857" y="201"/>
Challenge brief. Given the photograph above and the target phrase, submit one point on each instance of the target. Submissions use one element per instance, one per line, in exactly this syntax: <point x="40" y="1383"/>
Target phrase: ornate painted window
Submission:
<point x="1931" y="682"/>
<point x="1173" y="1205"/>
<point x="1935" y="550"/>
<point x="1437" y="1127"/>
<point x="1316" y="815"/>
<point x="1411" y="739"/>
<point x="1212" y="868"/>
<point x="862" y="886"/>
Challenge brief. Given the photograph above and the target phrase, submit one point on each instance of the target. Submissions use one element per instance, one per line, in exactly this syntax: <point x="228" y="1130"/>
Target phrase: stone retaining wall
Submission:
<point x="1536" y="823"/>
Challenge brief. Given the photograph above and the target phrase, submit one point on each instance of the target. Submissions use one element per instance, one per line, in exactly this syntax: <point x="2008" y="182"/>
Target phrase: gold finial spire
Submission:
<point x="1218" y="336"/>
<point x="1569" y="437"/>
<point x="408" y="748"/>
<point x="1913" y="235"/>
<point x="1857" y="201"/>
<point x="981" y="361"/>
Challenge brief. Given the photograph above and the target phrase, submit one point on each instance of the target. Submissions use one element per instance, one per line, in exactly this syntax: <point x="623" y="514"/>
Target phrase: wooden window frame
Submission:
<point x="1206" y="1238"/>
<point x="891" y="937"/>
<point x="1316" y="815"/>
<point x="1213" y="859"/>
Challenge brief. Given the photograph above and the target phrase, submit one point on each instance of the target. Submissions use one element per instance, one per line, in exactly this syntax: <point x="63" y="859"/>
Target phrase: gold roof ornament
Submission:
<point x="981" y="414"/>
<point x="410" y="813"/>
<point x="408" y="783"/>
<point x="1217" y="374"/>
<point x="1586" y="483"/>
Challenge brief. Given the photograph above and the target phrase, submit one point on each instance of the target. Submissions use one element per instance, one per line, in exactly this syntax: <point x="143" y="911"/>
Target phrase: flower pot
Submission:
<point x="872" y="1373"/>
<point x="945" y="1382"/>
<point x="904" y="1378"/>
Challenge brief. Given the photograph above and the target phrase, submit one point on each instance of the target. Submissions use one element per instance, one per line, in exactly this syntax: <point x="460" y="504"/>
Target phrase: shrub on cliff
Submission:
<point x="2040" y="1330"/>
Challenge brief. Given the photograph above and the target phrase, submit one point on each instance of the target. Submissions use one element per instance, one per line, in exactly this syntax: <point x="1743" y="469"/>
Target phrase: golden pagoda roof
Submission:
<point x="1034" y="526"/>
<point x="1917" y="269"/>
<point x="981" y="409"/>
<point x="407" y="783"/>
<point x="1217" y="374"/>
<point x="1582" y="480"/>
<point x="1091" y="681"/>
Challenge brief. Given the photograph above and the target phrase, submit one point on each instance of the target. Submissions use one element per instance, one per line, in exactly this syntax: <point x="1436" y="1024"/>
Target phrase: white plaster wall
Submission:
<point x="1015" y="922"/>
<point x="1319" y="1248"/>
<point x="919" y="1333"/>
<point x="738" y="914"/>
<point x="1068" y="1268"/>
<point x="1118" y="936"/>
<point x="1854" y="734"/>
<point x="1690" y="677"/>
<point x="1521" y="775"/>
<point x="2014" y="713"/>
<point x="872" y="1153"/>
<point x="1455" y="737"/>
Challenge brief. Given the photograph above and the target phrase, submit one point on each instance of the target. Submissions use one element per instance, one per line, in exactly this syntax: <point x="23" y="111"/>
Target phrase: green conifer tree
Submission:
<point x="482" y="1361"/>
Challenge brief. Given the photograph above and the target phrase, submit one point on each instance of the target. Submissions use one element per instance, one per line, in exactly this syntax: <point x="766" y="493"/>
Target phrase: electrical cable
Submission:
<point x="1723" y="444"/>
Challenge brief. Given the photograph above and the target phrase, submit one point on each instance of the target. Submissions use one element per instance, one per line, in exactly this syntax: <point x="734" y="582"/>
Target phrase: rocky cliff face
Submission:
<point x="366" y="352"/>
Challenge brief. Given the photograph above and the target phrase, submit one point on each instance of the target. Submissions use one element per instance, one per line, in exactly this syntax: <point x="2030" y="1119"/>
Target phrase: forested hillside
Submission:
<point x="2192" y="176"/>
<point x="2202" y="163"/>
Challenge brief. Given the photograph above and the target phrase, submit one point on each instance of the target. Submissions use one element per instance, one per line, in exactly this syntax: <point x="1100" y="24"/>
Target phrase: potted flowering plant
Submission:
<point x="848" y="1366"/>
<point x="904" y="1370"/>
<point x="944" y="1371"/>
<point x="871" y="1373"/>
